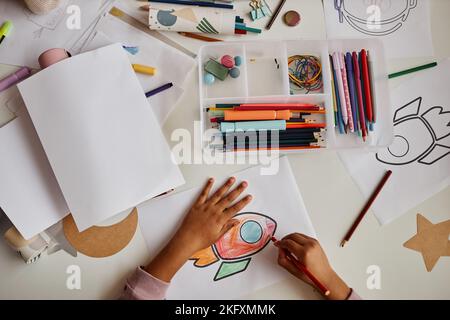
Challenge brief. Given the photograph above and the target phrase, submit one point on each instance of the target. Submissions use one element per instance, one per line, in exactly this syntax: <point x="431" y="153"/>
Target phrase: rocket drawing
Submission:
<point x="422" y="137"/>
<point x="236" y="247"/>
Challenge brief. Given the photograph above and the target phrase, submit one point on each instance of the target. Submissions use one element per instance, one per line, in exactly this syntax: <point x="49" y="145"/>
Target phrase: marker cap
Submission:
<point x="5" y="29"/>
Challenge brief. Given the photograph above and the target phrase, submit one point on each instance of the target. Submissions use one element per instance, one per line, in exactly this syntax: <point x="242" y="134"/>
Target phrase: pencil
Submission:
<point x="304" y="270"/>
<point x="408" y="71"/>
<point x="159" y="89"/>
<point x="199" y="37"/>
<point x="366" y="207"/>
<point x="275" y="15"/>
<point x="194" y="3"/>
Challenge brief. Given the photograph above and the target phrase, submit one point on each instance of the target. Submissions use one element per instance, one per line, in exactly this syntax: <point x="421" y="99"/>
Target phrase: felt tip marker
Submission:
<point x="5" y="30"/>
<point x="340" y="87"/>
<point x="14" y="78"/>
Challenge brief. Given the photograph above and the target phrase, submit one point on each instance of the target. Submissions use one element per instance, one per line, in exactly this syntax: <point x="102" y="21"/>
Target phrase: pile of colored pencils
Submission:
<point x="256" y="126"/>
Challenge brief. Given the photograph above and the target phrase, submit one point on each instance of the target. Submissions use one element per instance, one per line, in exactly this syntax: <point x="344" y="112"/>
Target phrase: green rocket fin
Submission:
<point x="230" y="268"/>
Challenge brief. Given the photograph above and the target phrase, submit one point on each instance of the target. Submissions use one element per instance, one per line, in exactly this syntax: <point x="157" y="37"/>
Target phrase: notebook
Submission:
<point x="100" y="136"/>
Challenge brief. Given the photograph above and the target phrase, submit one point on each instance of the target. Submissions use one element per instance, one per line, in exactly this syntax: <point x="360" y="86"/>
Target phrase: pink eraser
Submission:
<point x="52" y="56"/>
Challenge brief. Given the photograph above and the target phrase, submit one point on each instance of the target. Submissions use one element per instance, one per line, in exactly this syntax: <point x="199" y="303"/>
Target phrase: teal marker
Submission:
<point x="5" y="30"/>
<point x="253" y="125"/>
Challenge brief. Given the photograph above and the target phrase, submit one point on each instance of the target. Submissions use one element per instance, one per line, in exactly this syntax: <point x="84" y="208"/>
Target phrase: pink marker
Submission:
<point x="14" y="78"/>
<point x="346" y="92"/>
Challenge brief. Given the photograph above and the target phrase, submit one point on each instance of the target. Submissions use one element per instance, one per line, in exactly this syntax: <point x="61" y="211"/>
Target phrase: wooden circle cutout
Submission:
<point x="100" y="242"/>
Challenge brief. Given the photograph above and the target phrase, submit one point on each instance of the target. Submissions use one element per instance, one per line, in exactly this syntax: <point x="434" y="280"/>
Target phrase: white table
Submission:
<point x="332" y="198"/>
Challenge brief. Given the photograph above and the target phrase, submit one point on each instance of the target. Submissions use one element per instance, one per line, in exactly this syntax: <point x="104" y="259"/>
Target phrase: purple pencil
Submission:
<point x="159" y="89"/>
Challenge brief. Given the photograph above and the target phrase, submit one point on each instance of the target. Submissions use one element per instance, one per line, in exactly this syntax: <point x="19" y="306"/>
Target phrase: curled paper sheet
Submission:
<point x="191" y="19"/>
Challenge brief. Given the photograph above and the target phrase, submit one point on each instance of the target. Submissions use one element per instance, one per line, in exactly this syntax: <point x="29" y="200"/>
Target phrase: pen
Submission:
<point x="346" y="91"/>
<point x="367" y="89"/>
<point x="351" y="85"/>
<point x="362" y="120"/>
<point x="340" y="85"/>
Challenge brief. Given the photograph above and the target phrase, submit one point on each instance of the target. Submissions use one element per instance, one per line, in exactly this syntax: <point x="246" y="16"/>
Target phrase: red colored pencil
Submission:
<point x="366" y="207"/>
<point x="305" y="125"/>
<point x="304" y="270"/>
<point x="367" y="87"/>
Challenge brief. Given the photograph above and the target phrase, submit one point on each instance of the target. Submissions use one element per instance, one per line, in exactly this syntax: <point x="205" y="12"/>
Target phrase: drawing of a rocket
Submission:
<point x="236" y="247"/>
<point x="422" y="137"/>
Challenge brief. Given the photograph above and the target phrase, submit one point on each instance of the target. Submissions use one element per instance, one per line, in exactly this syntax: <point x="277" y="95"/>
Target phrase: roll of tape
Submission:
<point x="52" y="56"/>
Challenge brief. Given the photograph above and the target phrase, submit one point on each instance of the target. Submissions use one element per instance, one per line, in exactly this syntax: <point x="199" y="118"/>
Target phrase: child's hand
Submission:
<point x="211" y="217"/>
<point x="208" y="220"/>
<point x="311" y="255"/>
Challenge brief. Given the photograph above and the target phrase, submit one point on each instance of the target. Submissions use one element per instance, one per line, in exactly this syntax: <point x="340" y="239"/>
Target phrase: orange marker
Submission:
<point x="234" y="115"/>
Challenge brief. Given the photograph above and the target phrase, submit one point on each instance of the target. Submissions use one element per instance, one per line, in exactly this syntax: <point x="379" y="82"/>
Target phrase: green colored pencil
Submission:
<point x="408" y="71"/>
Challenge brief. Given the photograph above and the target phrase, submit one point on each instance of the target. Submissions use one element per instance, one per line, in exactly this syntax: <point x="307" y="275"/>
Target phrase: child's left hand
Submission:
<point x="211" y="217"/>
<point x="205" y="223"/>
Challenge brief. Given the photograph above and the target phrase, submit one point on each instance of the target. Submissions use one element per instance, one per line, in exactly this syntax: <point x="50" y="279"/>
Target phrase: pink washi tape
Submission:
<point x="52" y="56"/>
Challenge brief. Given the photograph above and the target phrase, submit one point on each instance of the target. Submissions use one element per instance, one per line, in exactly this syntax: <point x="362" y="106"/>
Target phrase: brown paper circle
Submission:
<point x="100" y="242"/>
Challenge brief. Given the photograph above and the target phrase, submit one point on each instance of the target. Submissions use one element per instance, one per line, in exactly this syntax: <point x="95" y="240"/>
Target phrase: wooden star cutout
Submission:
<point x="431" y="241"/>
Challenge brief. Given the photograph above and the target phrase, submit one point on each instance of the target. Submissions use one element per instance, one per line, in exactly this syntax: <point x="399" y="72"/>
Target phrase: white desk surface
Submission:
<point x="332" y="198"/>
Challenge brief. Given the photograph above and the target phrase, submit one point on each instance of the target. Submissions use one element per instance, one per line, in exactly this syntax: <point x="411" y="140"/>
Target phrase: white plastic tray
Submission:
<point x="262" y="82"/>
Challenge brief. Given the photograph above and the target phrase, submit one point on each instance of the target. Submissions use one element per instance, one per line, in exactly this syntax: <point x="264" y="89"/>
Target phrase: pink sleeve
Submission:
<point x="143" y="286"/>
<point x="353" y="296"/>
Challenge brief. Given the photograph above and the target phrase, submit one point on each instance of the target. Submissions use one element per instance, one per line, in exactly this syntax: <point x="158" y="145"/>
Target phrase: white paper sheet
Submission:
<point x="168" y="17"/>
<point x="29" y="193"/>
<point x="403" y="25"/>
<point x="420" y="154"/>
<point x="276" y="196"/>
<point x="171" y="64"/>
<point x="33" y="34"/>
<point x="101" y="138"/>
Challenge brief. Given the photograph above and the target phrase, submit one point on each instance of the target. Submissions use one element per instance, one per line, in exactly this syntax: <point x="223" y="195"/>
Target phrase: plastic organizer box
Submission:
<point x="262" y="80"/>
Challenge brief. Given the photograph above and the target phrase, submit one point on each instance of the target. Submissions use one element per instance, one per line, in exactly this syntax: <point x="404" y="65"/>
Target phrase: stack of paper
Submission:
<point x="102" y="141"/>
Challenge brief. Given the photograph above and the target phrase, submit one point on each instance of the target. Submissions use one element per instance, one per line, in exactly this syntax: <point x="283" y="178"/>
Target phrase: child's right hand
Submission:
<point x="311" y="255"/>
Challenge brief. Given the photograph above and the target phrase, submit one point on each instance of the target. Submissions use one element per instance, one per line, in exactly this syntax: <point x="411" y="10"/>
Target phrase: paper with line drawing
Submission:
<point x="420" y="153"/>
<point x="33" y="34"/>
<point x="403" y="25"/>
<point x="243" y="260"/>
<point x="191" y="19"/>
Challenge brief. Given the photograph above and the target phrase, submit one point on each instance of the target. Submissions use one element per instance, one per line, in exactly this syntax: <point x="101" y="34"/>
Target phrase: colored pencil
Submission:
<point x="195" y="3"/>
<point x="159" y="89"/>
<point x="366" y="208"/>
<point x="275" y="15"/>
<point x="305" y="270"/>
<point x="199" y="37"/>
<point x="416" y="69"/>
<point x="239" y="26"/>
